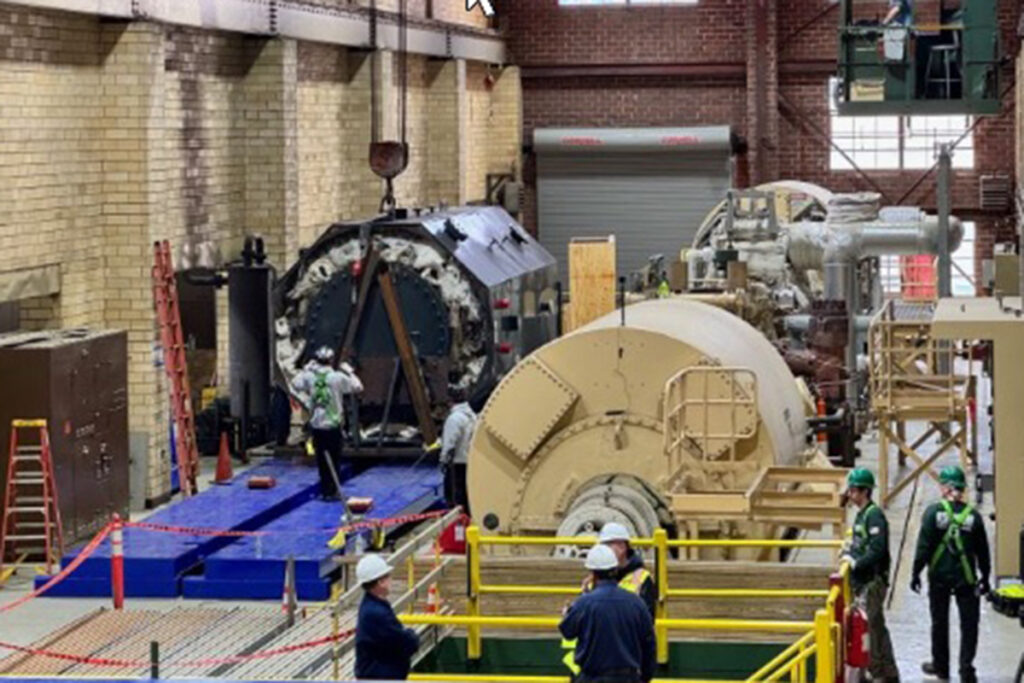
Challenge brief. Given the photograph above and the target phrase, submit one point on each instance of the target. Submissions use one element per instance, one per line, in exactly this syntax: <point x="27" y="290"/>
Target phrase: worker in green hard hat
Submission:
<point x="869" y="560"/>
<point x="953" y="546"/>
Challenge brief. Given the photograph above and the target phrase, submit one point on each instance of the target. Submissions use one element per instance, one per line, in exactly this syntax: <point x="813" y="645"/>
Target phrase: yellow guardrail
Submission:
<point x="821" y="639"/>
<point x="505" y="678"/>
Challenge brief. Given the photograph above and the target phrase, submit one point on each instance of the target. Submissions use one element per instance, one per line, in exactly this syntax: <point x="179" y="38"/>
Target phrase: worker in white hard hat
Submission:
<point x="384" y="649"/>
<point x="613" y="631"/>
<point x="632" y="575"/>
<point x="325" y="386"/>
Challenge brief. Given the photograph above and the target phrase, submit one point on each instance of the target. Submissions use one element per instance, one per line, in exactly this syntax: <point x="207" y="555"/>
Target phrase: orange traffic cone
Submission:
<point x="433" y="599"/>
<point x="223" y="474"/>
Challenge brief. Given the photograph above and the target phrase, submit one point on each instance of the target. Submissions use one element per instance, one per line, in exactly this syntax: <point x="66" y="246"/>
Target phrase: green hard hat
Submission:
<point x="861" y="477"/>
<point x="953" y="476"/>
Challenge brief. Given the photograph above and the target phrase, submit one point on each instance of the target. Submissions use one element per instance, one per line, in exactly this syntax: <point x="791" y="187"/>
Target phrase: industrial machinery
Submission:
<point x="944" y="59"/>
<point x="637" y="418"/>
<point x="811" y="262"/>
<point x="473" y="293"/>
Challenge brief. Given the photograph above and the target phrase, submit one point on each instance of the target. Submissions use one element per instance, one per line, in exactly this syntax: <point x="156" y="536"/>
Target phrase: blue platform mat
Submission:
<point x="159" y="564"/>
<point x="254" y="567"/>
<point x="155" y="562"/>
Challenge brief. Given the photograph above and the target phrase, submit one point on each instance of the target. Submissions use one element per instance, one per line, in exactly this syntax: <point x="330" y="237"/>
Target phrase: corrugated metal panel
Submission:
<point x="653" y="202"/>
<point x="667" y="140"/>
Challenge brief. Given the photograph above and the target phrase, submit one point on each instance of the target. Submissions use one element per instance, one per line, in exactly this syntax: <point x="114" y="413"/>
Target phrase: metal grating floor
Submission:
<point x="913" y="311"/>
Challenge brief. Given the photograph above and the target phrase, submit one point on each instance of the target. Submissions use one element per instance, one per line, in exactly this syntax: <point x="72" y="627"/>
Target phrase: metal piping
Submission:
<point x="841" y="246"/>
<point x="799" y="323"/>
<point x="815" y="245"/>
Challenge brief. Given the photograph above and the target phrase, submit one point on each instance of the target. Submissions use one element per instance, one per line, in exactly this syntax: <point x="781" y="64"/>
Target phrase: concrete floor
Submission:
<point x="1002" y="640"/>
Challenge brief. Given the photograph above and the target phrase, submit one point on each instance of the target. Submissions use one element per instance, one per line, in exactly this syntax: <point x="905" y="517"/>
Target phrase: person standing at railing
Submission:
<point x="953" y="546"/>
<point x="869" y="559"/>
<point x="384" y="649"/>
<point x="612" y="628"/>
<point x="632" y="574"/>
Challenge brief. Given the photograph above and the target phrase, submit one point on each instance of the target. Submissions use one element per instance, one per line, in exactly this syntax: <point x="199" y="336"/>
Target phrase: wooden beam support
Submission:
<point x="410" y="363"/>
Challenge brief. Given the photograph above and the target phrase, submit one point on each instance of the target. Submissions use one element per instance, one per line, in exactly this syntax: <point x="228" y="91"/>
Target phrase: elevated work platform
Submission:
<point x="294" y="523"/>
<point x="254" y="567"/>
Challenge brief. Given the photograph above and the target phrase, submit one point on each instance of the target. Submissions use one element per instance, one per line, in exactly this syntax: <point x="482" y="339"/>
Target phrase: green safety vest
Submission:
<point x="632" y="583"/>
<point x="953" y="534"/>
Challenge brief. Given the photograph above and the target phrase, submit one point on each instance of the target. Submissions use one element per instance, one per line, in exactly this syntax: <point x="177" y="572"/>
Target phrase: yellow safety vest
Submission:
<point x="632" y="583"/>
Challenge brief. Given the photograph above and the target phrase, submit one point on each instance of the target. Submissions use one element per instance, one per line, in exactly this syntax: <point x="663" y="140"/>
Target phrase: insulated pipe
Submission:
<point x="842" y="245"/>
<point x="798" y="323"/>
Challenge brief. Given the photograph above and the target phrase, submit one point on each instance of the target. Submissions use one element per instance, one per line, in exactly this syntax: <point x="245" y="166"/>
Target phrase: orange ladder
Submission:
<point x="31" y="525"/>
<point x="165" y="296"/>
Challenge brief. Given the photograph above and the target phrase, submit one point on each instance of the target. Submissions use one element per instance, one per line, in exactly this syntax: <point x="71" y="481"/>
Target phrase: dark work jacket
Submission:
<point x="870" y="546"/>
<point x="948" y="571"/>
<point x="613" y="630"/>
<point x="648" y="593"/>
<point x="384" y="649"/>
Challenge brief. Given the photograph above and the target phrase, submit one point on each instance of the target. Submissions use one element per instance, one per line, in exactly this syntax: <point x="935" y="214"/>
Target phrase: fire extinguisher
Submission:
<point x="858" y="638"/>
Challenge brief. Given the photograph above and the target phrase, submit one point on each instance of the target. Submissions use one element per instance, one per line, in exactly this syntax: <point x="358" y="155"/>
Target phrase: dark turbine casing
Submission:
<point x="476" y="291"/>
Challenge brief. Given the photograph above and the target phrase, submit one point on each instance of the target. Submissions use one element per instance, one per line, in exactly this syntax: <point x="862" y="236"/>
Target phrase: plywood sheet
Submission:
<point x="591" y="279"/>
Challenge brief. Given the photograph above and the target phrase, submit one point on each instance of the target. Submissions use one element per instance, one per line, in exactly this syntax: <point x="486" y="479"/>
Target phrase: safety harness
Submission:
<point x="632" y="582"/>
<point x="322" y="397"/>
<point x="954" y="540"/>
<point x="860" y="530"/>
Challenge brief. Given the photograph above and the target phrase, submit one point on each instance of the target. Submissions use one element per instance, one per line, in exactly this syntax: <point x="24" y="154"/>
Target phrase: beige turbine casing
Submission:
<point x="590" y="406"/>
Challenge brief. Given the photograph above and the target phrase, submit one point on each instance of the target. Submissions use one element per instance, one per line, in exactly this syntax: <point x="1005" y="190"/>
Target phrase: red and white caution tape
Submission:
<point x="82" y="556"/>
<point x="196" y="663"/>
<point x="364" y="524"/>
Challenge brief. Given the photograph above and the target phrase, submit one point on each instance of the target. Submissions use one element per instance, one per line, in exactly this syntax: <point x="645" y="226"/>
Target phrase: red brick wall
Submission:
<point x="714" y="36"/>
<point x="541" y="32"/>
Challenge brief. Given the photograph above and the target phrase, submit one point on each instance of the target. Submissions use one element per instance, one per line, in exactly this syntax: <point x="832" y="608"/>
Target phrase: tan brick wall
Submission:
<point x="134" y="214"/>
<point x="443" y="170"/>
<point x="50" y="160"/>
<point x="492" y="125"/>
<point x="114" y="135"/>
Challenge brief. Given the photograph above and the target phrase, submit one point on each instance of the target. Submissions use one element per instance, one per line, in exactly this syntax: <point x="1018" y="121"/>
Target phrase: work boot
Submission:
<point x="968" y="676"/>
<point x="929" y="670"/>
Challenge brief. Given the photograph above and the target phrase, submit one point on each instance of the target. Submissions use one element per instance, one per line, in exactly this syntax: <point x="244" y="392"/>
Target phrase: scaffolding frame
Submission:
<point x="913" y="379"/>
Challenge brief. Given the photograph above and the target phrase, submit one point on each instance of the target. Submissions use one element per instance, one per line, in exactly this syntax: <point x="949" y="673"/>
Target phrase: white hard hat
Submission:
<point x="601" y="558"/>
<point x="325" y="354"/>
<point x="371" y="568"/>
<point x="613" y="531"/>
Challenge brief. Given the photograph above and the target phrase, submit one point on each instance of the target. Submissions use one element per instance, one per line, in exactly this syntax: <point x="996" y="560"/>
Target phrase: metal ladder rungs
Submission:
<point x="24" y="537"/>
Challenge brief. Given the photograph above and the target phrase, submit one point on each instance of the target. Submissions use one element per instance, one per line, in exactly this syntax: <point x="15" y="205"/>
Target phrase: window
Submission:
<point x="627" y="2"/>
<point x="899" y="275"/>
<point x="894" y="143"/>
